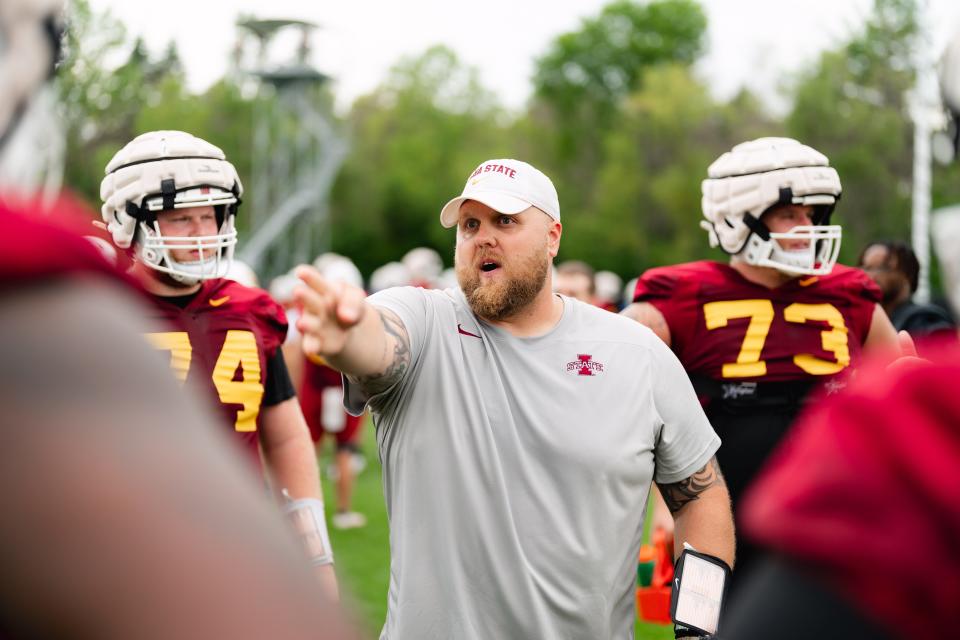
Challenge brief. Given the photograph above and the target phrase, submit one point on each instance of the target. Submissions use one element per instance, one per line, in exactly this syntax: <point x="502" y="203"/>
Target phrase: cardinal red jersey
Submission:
<point x="725" y="327"/>
<point x="321" y="399"/>
<point x="865" y="493"/>
<point x="222" y="342"/>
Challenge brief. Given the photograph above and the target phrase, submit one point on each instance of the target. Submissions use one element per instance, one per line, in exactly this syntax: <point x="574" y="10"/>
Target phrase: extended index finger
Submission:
<point x="312" y="278"/>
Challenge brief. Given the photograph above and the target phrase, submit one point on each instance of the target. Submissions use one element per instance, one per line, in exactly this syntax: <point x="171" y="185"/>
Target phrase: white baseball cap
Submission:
<point x="508" y="186"/>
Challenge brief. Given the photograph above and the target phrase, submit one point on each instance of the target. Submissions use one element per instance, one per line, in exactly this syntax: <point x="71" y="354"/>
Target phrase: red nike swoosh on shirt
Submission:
<point x="466" y="333"/>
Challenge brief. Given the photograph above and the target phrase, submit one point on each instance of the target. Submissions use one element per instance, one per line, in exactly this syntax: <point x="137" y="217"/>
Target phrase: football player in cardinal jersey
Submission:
<point x="757" y="336"/>
<point x="125" y="515"/>
<point x="321" y="396"/>
<point x="172" y="198"/>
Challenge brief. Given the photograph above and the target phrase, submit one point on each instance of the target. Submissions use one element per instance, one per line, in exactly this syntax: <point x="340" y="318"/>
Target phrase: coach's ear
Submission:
<point x="554" y="232"/>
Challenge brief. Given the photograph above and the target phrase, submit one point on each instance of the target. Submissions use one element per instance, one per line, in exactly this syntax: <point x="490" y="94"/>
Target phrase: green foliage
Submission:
<point x="647" y="201"/>
<point x="851" y="106"/>
<point x="106" y="105"/>
<point x="415" y="139"/>
<point x="583" y="78"/>
<point x="618" y="120"/>
<point x="362" y="555"/>
<point x="101" y="101"/>
<point x="590" y="70"/>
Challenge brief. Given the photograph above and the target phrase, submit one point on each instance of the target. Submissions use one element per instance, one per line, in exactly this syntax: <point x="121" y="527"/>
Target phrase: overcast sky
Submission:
<point x="754" y="43"/>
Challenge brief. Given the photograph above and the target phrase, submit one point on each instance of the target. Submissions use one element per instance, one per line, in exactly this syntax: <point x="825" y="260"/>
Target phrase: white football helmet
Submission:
<point x="608" y="286"/>
<point x="282" y="288"/>
<point x="629" y="289"/>
<point x="31" y="141"/>
<point x="243" y="273"/>
<point x="425" y="265"/>
<point x="164" y="170"/>
<point x="392" y="274"/>
<point x="334" y="266"/>
<point x="757" y="176"/>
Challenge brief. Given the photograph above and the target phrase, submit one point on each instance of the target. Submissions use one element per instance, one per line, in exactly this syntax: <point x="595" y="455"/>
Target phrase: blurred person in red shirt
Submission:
<point x="125" y="515"/>
<point x="859" y="511"/>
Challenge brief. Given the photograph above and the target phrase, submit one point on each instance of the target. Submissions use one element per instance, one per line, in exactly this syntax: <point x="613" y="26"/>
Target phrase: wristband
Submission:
<point x="306" y="516"/>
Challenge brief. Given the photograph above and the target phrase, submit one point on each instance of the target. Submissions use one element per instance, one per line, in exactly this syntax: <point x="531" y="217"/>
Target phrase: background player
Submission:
<point x="321" y="398"/>
<point x="575" y="278"/>
<point x="99" y="538"/>
<point x="894" y="267"/>
<point x="757" y="335"/>
<point x="859" y="512"/>
<point x="172" y="198"/>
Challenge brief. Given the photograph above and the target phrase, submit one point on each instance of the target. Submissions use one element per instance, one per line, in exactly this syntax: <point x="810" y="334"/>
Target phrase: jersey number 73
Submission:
<point x="761" y="314"/>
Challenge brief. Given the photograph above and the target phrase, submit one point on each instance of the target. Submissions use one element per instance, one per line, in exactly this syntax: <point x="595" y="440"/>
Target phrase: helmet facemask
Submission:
<point x="155" y="249"/>
<point x="216" y="252"/>
<point x="816" y="259"/>
<point x="765" y="248"/>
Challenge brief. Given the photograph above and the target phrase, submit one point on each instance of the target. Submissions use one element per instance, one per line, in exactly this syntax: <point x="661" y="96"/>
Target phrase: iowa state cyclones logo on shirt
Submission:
<point x="585" y="365"/>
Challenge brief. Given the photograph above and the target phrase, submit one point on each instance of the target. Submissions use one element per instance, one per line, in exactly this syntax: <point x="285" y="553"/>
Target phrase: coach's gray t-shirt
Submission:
<point x="516" y="470"/>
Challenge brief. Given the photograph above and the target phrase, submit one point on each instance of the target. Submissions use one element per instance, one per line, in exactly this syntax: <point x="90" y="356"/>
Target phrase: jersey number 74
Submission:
<point x="239" y="349"/>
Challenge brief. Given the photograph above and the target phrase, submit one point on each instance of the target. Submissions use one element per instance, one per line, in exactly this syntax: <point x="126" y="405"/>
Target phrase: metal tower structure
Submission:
<point x="297" y="150"/>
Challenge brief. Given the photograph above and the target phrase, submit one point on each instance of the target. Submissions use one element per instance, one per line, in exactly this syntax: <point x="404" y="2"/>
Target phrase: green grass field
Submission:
<point x="363" y="555"/>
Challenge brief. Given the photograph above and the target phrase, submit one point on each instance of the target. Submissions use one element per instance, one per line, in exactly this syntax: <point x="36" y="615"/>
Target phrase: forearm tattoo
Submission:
<point x="397" y="363"/>
<point x="678" y="494"/>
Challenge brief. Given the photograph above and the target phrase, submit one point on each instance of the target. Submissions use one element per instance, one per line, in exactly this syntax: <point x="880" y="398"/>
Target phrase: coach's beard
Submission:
<point x="512" y="293"/>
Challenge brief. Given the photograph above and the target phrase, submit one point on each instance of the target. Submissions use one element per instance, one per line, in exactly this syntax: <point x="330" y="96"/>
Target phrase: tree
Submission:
<point x="101" y="104"/>
<point x="582" y="79"/>
<point x="415" y="139"/>
<point x="590" y="70"/>
<point x="852" y="106"/>
<point x="647" y="193"/>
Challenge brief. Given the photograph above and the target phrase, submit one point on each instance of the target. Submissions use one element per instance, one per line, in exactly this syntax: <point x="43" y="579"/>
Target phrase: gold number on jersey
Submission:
<point x="833" y="340"/>
<point x="239" y="349"/>
<point x="760" y="312"/>
<point x="178" y="344"/>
